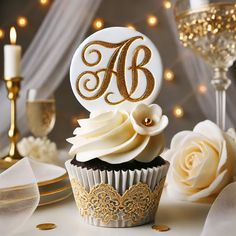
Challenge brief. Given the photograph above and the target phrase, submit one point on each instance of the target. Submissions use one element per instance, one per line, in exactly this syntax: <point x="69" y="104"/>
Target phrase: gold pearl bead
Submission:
<point x="148" y="122"/>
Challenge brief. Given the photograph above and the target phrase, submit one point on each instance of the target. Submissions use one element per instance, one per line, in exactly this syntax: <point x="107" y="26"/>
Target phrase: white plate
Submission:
<point x="56" y="196"/>
<point x="45" y="172"/>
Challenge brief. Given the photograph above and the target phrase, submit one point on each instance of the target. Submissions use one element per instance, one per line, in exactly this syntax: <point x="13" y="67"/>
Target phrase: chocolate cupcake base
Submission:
<point x="131" y="165"/>
<point x="117" y="198"/>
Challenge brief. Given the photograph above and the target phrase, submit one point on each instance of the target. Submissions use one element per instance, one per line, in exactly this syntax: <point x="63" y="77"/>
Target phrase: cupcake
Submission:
<point x="116" y="173"/>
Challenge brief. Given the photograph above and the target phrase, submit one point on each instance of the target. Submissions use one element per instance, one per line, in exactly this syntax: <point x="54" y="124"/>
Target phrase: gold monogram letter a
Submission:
<point x="102" y="77"/>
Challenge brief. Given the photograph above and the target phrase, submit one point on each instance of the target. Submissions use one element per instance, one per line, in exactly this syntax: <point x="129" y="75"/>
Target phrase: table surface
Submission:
<point x="183" y="218"/>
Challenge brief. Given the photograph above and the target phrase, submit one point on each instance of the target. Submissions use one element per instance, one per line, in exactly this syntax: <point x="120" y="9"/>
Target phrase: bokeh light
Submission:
<point x="178" y="112"/>
<point x="152" y="20"/>
<point x="44" y="2"/>
<point x="169" y="75"/>
<point x="202" y="88"/>
<point x="167" y="4"/>
<point x="2" y="33"/>
<point x="22" y="21"/>
<point x="98" y="23"/>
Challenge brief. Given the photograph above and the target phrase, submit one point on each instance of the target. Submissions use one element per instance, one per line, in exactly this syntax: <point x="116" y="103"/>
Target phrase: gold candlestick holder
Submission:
<point x="13" y="89"/>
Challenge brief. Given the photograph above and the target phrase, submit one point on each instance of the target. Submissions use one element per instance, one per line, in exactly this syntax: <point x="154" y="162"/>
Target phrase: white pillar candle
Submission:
<point x="12" y="57"/>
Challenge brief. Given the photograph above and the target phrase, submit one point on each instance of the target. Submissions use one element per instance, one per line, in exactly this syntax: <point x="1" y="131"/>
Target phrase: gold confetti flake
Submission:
<point x="161" y="228"/>
<point x="46" y="226"/>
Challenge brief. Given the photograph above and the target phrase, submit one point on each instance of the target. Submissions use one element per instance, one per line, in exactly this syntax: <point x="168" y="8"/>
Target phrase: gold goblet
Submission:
<point x="208" y="28"/>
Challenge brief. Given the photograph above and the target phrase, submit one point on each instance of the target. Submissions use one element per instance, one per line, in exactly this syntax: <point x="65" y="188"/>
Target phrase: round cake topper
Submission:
<point x="116" y="68"/>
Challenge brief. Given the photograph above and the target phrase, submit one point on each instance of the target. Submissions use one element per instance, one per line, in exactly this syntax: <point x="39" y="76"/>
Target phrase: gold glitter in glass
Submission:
<point x="211" y="33"/>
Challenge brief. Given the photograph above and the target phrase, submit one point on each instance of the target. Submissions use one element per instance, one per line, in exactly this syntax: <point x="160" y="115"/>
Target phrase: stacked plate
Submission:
<point x="54" y="190"/>
<point x="52" y="180"/>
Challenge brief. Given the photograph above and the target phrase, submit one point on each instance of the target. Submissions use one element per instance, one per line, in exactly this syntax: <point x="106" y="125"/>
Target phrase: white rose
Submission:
<point x="201" y="162"/>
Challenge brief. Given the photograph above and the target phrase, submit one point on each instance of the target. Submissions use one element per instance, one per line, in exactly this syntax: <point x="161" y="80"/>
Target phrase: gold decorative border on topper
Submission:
<point x="103" y="77"/>
<point x="104" y="203"/>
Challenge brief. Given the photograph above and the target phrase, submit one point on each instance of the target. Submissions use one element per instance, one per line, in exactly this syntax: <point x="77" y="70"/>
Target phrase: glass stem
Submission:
<point x="221" y="83"/>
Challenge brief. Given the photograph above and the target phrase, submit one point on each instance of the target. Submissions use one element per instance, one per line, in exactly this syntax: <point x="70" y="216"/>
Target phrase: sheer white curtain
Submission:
<point x="47" y="59"/>
<point x="199" y="73"/>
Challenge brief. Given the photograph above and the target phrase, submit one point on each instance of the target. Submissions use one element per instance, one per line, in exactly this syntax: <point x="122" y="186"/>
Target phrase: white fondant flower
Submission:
<point x="40" y="149"/>
<point x="148" y="120"/>
<point x="201" y="162"/>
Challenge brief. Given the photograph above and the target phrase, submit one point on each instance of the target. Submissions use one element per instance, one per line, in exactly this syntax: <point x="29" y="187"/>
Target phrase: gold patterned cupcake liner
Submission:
<point x="117" y="198"/>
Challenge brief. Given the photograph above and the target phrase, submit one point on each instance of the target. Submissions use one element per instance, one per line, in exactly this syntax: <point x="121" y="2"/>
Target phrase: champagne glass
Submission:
<point x="208" y="28"/>
<point x="41" y="113"/>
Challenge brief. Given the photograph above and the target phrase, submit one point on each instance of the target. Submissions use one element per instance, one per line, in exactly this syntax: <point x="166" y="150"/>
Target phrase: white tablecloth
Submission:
<point x="184" y="219"/>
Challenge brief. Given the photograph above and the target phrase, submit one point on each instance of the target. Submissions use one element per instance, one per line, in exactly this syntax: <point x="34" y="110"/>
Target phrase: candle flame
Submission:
<point x="13" y="35"/>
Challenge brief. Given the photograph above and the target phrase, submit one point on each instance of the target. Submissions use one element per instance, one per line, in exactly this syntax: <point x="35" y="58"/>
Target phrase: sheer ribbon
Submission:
<point x="221" y="217"/>
<point x="19" y="196"/>
<point x="19" y="192"/>
<point x="47" y="59"/>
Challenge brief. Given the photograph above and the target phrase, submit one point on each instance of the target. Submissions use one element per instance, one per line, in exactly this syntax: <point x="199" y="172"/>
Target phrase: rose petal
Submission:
<point x="177" y="166"/>
<point x="168" y="154"/>
<point x="231" y="152"/>
<point x="223" y="158"/>
<point x="177" y="140"/>
<point x="210" y="130"/>
<point x="219" y="183"/>
<point x="176" y="189"/>
<point x="176" y="194"/>
<point x="203" y="174"/>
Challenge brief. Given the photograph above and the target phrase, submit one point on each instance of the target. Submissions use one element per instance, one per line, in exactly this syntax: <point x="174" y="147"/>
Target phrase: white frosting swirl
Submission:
<point x="110" y="136"/>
